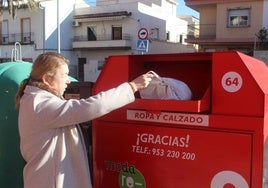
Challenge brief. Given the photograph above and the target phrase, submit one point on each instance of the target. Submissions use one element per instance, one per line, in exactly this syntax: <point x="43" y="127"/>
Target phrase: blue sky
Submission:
<point x="181" y="8"/>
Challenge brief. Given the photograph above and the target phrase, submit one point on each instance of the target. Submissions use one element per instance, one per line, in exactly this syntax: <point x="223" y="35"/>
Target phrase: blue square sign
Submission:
<point x="142" y="45"/>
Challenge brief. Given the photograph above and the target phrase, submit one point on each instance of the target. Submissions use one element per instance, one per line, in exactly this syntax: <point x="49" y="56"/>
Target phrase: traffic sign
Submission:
<point x="143" y="33"/>
<point x="142" y="45"/>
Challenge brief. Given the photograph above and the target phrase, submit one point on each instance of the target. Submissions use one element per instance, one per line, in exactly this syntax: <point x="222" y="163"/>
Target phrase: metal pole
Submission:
<point x="44" y="25"/>
<point x="58" y="25"/>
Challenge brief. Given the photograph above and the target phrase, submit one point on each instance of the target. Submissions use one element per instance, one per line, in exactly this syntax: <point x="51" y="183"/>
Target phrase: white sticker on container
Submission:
<point x="169" y="117"/>
<point x="223" y="178"/>
<point x="231" y="81"/>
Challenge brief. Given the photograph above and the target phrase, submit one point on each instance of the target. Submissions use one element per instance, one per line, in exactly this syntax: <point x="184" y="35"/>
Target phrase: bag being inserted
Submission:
<point x="166" y="88"/>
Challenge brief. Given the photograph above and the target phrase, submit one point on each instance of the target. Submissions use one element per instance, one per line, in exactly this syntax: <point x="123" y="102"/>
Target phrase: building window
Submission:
<point x="168" y="35"/>
<point x="26" y="30"/>
<point x="238" y="17"/>
<point x="81" y="62"/>
<point x="181" y="38"/>
<point x="154" y="34"/>
<point x="5" y="32"/>
<point x="116" y="33"/>
<point x="91" y="34"/>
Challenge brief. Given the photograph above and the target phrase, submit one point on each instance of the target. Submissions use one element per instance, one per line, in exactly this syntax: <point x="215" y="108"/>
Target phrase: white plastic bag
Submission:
<point x="166" y="88"/>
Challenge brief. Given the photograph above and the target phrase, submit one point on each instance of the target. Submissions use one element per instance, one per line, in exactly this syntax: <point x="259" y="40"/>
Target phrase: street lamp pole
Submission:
<point x="58" y="26"/>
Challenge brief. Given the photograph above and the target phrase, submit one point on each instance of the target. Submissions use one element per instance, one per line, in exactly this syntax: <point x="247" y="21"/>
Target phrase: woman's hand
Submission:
<point x="141" y="82"/>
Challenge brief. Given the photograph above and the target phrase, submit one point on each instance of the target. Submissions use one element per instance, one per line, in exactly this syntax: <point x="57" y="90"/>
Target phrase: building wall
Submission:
<point x="65" y="12"/>
<point x="261" y="55"/>
<point x="14" y="29"/>
<point x="151" y="17"/>
<point x="256" y="12"/>
<point x="208" y="19"/>
<point x="225" y="37"/>
<point x="143" y="15"/>
<point x="43" y="22"/>
<point x="158" y="17"/>
<point x="155" y="15"/>
<point x="112" y="2"/>
<point x="265" y="14"/>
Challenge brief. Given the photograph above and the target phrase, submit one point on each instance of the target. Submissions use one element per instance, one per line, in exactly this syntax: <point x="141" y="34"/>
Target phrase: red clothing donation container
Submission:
<point x="215" y="140"/>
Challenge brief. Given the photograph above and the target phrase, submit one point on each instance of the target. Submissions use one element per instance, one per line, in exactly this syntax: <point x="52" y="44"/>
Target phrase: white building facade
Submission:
<point x="37" y="32"/>
<point x="112" y="28"/>
<point x="89" y="35"/>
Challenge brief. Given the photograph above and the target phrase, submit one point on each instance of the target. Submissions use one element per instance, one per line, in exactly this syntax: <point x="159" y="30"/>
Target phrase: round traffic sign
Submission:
<point x="143" y="33"/>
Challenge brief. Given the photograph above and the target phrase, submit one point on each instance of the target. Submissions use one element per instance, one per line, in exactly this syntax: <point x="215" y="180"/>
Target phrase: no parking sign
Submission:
<point x="143" y="33"/>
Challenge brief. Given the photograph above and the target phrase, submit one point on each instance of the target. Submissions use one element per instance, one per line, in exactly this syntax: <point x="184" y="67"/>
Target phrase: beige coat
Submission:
<point x="52" y="144"/>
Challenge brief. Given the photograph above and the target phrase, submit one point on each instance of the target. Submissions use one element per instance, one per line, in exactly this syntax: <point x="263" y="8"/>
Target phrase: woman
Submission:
<point x="51" y="142"/>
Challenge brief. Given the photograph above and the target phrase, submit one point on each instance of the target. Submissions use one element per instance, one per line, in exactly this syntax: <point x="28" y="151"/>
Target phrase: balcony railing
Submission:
<point x="101" y="37"/>
<point x="23" y="38"/>
<point x="202" y="31"/>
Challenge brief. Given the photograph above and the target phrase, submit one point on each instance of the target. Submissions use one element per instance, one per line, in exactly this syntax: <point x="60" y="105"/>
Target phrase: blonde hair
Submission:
<point x="45" y="64"/>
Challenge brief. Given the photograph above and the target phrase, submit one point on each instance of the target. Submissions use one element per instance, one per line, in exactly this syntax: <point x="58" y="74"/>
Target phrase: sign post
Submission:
<point x="143" y="43"/>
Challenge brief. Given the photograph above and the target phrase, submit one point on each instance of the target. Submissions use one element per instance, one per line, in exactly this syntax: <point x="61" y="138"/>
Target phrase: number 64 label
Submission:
<point x="231" y="82"/>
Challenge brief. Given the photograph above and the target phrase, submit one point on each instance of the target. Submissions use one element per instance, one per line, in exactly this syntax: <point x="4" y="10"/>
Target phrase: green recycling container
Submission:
<point x="11" y="161"/>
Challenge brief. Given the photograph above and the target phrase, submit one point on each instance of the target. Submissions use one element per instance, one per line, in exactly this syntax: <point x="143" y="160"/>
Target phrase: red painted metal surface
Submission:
<point x="216" y="140"/>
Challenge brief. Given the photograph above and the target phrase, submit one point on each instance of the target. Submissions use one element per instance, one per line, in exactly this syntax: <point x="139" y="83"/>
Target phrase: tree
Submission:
<point x="13" y="5"/>
<point x="262" y="35"/>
